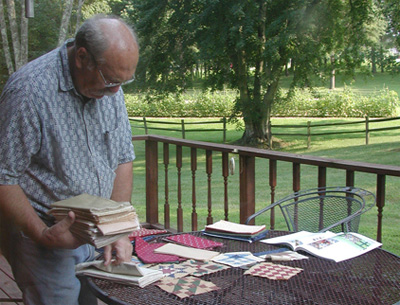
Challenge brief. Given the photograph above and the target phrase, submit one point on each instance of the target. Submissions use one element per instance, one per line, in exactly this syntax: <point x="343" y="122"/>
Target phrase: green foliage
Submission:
<point x="301" y="103"/>
<point x="344" y="103"/>
<point x="190" y="104"/>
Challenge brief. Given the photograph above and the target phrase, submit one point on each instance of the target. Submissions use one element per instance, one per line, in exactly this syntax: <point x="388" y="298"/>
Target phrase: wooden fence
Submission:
<point x="182" y="126"/>
<point x="311" y="128"/>
<point x="365" y="128"/>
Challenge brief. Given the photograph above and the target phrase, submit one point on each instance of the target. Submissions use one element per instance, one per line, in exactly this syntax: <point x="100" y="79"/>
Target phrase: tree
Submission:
<point x="247" y="44"/>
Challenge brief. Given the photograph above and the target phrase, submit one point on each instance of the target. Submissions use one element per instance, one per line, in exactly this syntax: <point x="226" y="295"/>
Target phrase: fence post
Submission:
<point x="366" y="130"/>
<point x="308" y="134"/>
<point x="224" y="123"/>
<point x="145" y="125"/>
<point x="183" y="128"/>
<point x="269" y="134"/>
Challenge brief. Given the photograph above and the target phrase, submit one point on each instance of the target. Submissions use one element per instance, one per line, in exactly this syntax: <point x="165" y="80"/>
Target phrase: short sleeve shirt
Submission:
<point x="54" y="144"/>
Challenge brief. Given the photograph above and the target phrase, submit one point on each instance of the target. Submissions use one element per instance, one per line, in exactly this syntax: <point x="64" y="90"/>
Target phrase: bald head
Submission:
<point x="101" y="33"/>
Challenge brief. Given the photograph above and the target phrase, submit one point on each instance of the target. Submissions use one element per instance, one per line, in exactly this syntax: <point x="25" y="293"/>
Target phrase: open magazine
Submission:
<point x="334" y="246"/>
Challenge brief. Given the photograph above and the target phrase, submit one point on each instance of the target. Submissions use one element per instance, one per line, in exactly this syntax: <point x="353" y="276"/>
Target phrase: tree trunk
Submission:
<point x="4" y="38"/>
<point x="14" y="33"/>
<point x="65" y="21"/>
<point x="24" y="35"/>
<point x="373" y="60"/>
<point x="78" y="15"/>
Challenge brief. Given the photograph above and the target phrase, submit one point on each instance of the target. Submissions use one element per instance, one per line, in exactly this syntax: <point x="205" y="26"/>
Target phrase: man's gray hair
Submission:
<point x="91" y="37"/>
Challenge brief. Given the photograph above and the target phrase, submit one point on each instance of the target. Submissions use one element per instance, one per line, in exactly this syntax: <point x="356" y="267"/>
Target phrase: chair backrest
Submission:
<point x="337" y="209"/>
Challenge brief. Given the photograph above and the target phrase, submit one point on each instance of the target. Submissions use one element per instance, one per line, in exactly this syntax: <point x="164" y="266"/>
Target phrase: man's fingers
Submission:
<point x="63" y="225"/>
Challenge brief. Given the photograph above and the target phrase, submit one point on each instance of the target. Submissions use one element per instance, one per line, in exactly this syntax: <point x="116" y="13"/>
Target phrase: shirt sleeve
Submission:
<point x="127" y="152"/>
<point x="19" y="133"/>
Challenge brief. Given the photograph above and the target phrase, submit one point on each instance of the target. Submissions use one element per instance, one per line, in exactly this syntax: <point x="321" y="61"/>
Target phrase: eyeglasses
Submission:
<point x="109" y="85"/>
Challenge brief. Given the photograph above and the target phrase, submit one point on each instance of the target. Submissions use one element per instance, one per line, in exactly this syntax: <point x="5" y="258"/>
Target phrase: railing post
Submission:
<point x="272" y="184"/>
<point x="366" y="130"/>
<point x="151" y="182"/>
<point x="209" y="173"/>
<point x="179" y="210"/>
<point x="167" y="223"/>
<point x="380" y="203"/>
<point x="247" y="187"/>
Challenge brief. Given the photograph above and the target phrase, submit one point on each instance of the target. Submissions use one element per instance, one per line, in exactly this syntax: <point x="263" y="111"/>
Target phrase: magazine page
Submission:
<point x="227" y="226"/>
<point x="298" y="239"/>
<point x="341" y="247"/>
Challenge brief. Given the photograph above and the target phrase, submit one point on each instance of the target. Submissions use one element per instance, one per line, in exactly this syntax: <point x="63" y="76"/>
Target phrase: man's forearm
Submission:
<point x="122" y="190"/>
<point x="16" y="209"/>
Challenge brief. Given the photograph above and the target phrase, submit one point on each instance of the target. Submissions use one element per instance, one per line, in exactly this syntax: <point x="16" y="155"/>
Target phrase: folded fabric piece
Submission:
<point x="194" y="241"/>
<point x="186" y="287"/>
<point x="125" y="273"/>
<point x="237" y="259"/>
<point x="187" y="252"/>
<point x="175" y="271"/>
<point x="145" y="252"/>
<point x="201" y="268"/>
<point x="273" y="271"/>
<point x="142" y="232"/>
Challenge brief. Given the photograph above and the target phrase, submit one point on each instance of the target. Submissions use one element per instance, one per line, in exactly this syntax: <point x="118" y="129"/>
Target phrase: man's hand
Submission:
<point x="59" y="235"/>
<point x="123" y="251"/>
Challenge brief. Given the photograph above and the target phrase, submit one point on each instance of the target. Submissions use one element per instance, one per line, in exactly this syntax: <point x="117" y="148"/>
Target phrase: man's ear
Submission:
<point x="82" y="58"/>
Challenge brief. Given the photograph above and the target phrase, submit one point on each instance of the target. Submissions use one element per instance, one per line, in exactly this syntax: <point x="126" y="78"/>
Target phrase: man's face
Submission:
<point x="102" y="79"/>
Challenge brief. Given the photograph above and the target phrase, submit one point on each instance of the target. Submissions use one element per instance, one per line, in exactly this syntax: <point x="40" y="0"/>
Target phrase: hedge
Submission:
<point x="301" y="103"/>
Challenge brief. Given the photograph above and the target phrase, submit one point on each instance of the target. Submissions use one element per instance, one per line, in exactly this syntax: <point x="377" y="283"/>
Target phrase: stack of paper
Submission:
<point x="99" y="221"/>
<point x="231" y="230"/>
<point x="125" y="273"/>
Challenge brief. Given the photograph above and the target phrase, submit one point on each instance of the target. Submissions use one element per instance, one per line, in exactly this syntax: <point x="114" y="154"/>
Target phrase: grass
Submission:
<point x="384" y="148"/>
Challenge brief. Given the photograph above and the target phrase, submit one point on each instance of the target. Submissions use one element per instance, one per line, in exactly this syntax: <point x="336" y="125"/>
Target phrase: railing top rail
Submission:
<point x="379" y="169"/>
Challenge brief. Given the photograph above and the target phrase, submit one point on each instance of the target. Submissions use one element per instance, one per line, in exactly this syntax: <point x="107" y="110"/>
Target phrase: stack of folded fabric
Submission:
<point x="231" y="230"/>
<point x="98" y="221"/>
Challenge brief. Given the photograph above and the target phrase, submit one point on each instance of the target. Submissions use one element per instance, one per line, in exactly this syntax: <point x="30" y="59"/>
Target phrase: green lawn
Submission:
<point x="383" y="148"/>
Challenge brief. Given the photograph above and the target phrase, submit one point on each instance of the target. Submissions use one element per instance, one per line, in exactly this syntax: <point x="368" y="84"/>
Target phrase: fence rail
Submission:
<point x="364" y="127"/>
<point x="183" y="126"/>
<point x="309" y="126"/>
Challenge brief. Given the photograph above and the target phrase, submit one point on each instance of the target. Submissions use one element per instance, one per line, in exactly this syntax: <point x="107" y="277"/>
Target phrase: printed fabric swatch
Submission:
<point x="145" y="252"/>
<point x="175" y="271"/>
<point x="194" y="241"/>
<point x="237" y="259"/>
<point x="273" y="271"/>
<point x="145" y="232"/>
<point x="186" y="287"/>
<point x="201" y="268"/>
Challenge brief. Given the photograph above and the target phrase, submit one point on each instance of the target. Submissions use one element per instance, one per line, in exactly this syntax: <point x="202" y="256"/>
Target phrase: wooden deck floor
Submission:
<point x="9" y="291"/>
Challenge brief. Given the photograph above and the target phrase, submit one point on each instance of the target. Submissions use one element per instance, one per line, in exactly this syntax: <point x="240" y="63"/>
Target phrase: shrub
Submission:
<point x="300" y="103"/>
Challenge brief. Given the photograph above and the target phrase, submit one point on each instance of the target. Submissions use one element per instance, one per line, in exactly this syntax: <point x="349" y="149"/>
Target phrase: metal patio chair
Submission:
<point x="336" y="209"/>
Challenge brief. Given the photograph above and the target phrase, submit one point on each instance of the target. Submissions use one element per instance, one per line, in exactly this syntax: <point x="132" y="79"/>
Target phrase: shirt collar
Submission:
<point x="66" y="82"/>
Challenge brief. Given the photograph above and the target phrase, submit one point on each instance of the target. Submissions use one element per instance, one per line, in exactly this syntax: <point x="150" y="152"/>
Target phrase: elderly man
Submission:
<point x="64" y="131"/>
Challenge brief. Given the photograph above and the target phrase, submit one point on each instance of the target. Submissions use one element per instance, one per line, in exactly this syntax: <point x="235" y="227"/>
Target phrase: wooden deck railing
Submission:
<point x="247" y="179"/>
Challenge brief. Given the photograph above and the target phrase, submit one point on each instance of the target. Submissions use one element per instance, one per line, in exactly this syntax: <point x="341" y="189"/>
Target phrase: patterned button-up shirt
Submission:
<point x="53" y="143"/>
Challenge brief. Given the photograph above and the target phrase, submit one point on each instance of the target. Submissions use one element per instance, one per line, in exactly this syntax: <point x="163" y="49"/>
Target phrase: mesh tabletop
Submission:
<point x="373" y="278"/>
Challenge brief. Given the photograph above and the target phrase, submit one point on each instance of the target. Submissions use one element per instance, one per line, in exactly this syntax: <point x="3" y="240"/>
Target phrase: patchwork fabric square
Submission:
<point x="201" y="268"/>
<point x="145" y="252"/>
<point x="237" y="259"/>
<point x="174" y="271"/>
<point x="273" y="271"/>
<point x="145" y="232"/>
<point x="186" y="287"/>
<point x="194" y="241"/>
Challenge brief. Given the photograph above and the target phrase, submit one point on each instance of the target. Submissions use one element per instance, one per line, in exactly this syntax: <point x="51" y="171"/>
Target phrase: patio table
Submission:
<point x="372" y="278"/>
